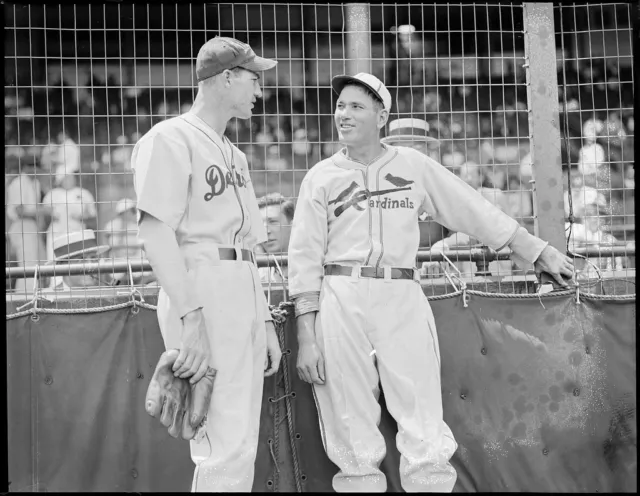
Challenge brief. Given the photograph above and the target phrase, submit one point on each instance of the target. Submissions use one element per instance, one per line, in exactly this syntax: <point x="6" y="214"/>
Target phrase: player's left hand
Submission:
<point x="554" y="263"/>
<point x="274" y="353"/>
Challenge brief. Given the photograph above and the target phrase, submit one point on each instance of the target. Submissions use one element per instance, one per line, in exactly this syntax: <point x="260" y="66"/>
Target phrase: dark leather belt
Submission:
<point x="368" y="271"/>
<point x="230" y="254"/>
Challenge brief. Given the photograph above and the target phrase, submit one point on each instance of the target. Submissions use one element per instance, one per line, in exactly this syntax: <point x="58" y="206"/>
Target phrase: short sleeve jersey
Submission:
<point x="198" y="183"/>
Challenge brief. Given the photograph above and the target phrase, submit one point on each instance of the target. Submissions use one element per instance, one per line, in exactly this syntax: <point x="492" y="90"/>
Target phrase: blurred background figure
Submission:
<point x="61" y="156"/>
<point x="75" y="247"/>
<point x="277" y="215"/>
<point x="121" y="234"/>
<point x="592" y="156"/>
<point x="590" y="211"/>
<point x="71" y="208"/>
<point x="25" y="220"/>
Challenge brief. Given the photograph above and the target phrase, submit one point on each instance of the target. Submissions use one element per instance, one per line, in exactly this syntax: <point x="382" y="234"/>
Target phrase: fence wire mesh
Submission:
<point x="84" y="82"/>
<point x="595" y="76"/>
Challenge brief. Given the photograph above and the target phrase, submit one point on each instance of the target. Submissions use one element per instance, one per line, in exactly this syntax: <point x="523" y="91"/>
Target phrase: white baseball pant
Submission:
<point x="373" y="330"/>
<point x="235" y="322"/>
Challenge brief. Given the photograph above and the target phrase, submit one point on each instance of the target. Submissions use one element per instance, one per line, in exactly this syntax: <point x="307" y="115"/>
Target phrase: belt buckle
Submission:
<point x="378" y="272"/>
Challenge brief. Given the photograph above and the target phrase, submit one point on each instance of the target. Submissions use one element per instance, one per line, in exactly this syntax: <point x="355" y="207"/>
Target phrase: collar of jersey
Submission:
<point x="341" y="160"/>
<point x="193" y="119"/>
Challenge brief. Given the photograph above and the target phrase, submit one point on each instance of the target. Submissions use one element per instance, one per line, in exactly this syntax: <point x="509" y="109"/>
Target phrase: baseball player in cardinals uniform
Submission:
<point x="199" y="223"/>
<point x="362" y="317"/>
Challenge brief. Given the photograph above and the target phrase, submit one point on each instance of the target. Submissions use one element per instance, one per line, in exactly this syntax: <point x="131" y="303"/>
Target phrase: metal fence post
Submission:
<point x="358" y="38"/>
<point x="542" y="100"/>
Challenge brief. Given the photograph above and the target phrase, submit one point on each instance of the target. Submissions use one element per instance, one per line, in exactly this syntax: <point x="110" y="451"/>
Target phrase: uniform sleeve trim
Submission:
<point x="306" y="302"/>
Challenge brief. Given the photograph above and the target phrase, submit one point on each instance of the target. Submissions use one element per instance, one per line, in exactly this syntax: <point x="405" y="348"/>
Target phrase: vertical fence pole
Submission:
<point x="542" y="100"/>
<point x="358" y="36"/>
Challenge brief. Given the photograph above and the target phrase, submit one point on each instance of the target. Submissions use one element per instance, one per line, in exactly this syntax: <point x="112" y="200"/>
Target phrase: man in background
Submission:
<point x="77" y="247"/>
<point x="72" y="208"/>
<point x="25" y="217"/>
<point x="277" y="215"/>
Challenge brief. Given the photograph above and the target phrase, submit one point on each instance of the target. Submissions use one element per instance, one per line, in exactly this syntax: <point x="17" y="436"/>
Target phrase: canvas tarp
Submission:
<point x="538" y="398"/>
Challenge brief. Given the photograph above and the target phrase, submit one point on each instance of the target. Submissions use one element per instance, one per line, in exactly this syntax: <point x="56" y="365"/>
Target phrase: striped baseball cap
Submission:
<point x="367" y="80"/>
<point x="220" y="53"/>
<point x="408" y="129"/>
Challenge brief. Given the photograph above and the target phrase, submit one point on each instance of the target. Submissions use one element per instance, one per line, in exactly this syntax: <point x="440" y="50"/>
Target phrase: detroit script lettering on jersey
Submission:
<point x="218" y="180"/>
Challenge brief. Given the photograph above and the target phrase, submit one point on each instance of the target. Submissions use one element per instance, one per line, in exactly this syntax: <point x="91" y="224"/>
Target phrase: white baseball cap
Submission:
<point x="367" y="80"/>
<point x="408" y="129"/>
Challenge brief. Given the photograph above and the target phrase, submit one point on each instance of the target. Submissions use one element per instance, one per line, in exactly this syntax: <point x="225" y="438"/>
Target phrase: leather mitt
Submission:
<point x="180" y="406"/>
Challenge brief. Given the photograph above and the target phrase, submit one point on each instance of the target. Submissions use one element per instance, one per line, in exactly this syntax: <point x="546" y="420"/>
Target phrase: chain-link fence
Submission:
<point x="84" y="82"/>
<point x="596" y="90"/>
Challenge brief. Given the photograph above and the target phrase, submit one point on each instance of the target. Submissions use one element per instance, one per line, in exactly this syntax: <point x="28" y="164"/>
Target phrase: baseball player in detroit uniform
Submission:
<point x="199" y="223"/>
<point x="362" y="317"/>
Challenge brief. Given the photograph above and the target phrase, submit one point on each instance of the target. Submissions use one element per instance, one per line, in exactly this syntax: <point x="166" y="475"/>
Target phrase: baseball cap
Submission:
<point x="69" y="245"/>
<point x="367" y="80"/>
<point x="220" y="53"/>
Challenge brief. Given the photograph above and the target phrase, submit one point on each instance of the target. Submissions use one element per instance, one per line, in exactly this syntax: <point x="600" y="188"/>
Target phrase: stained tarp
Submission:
<point x="539" y="399"/>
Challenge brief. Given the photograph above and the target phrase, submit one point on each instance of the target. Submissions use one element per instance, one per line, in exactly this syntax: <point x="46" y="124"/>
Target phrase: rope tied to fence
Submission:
<point x="280" y="314"/>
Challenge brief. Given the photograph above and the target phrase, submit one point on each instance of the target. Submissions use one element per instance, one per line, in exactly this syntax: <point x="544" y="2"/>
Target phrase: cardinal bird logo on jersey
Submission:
<point x="400" y="182"/>
<point x="352" y="196"/>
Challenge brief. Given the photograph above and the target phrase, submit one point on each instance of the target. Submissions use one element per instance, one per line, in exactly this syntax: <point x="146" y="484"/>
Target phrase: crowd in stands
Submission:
<point x="67" y="151"/>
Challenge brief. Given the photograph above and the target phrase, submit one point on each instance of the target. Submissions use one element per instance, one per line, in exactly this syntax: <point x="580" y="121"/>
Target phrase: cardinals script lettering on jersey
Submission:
<point x="387" y="202"/>
<point x="352" y="196"/>
<point x="219" y="180"/>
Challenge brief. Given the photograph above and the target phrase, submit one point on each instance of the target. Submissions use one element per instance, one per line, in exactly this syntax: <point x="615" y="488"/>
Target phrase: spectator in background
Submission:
<point x="592" y="155"/>
<point x="75" y="247"/>
<point x="277" y="215"/>
<point x="26" y="220"/>
<point x="590" y="208"/>
<point x="72" y="209"/>
<point x="121" y="234"/>
<point x="48" y="156"/>
<point x="65" y="156"/>
<point x="526" y="167"/>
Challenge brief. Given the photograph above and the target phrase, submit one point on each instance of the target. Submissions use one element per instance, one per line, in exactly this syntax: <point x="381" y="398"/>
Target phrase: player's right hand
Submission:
<point x="194" y="348"/>
<point x="310" y="364"/>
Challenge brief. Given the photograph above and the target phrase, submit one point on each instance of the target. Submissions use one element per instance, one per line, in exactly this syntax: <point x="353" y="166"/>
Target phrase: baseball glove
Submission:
<point x="182" y="407"/>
